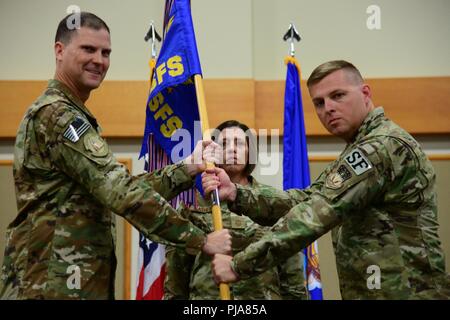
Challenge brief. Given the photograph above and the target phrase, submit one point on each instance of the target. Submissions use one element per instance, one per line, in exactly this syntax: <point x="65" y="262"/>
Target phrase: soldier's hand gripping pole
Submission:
<point x="216" y="212"/>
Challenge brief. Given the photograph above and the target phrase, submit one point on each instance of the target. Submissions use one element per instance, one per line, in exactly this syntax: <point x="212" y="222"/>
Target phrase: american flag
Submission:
<point x="151" y="259"/>
<point x="152" y="270"/>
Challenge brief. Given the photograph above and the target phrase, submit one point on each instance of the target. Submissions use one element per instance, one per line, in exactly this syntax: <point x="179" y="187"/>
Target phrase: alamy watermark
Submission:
<point x="74" y="20"/>
<point x="261" y="147"/>
<point x="373" y="21"/>
<point x="374" y="280"/>
<point x="74" y="280"/>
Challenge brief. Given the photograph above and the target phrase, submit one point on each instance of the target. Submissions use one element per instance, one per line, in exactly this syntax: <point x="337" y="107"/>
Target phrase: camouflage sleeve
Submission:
<point x="77" y="150"/>
<point x="178" y="273"/>
<point x="266" y="204"/>
<point x="292" y="280"/>
<point x="169" y="181"/>
<point x="357" y="179"/>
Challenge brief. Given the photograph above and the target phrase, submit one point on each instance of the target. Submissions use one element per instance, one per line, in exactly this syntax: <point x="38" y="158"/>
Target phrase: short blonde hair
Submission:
<point x="331" y="66"/>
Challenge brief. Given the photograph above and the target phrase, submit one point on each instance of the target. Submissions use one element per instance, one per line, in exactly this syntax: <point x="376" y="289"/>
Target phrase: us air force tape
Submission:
<point x="76" y="129"/>
<point x="358" y="162"/>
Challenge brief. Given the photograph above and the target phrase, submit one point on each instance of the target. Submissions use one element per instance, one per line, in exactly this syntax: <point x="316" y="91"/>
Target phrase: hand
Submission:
<point x="217" y="178"/>
<point x="213" y="153"/>
<point x="218" y="242"/>
<point x="222" y="271"/>
<point x="204" y="151"/>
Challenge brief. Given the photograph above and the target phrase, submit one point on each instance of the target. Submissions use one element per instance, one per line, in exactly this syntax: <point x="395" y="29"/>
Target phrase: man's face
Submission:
<point x="342" y="103"/>
<point x="84" y="61"/>
<point x="235" y="150"/>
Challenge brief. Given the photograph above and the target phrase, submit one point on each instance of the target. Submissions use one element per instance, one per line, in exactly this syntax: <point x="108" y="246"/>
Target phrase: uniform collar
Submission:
<point x="58" y="85"/>
<point x="372" y="121"/>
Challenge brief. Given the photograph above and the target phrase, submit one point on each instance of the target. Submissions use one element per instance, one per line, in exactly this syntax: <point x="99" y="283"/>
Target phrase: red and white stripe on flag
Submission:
<point x="152" y="270"/>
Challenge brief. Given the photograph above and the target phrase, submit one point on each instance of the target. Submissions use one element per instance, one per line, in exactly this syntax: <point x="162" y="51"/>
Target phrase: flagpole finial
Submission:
<point x="153" y="36"/>
<point x="290" y="35"/>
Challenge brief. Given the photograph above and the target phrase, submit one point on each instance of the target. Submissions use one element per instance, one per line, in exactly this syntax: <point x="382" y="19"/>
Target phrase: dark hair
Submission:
<point x="331" y="66"/>
<point x="89" y="20"/>
<point x="251" y="142"/>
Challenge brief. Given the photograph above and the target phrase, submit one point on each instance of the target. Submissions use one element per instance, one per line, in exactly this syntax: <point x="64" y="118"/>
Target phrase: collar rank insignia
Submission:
<point x="76" y="129"/>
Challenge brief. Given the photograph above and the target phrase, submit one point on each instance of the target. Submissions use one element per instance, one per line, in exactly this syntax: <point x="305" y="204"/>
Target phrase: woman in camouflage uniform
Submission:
<point x="190" y="277"/>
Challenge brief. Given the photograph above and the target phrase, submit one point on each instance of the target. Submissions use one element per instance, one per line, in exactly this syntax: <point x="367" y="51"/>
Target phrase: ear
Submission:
<point x="367" y="92"/>
<point x="59" y="50"/>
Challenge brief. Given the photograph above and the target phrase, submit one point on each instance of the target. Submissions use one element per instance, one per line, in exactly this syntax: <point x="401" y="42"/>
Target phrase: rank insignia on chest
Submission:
<point x="76" y="129"/>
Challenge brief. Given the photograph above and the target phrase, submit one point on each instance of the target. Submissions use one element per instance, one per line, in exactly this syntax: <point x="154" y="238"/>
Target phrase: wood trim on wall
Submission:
<point x="324" y="158"/>
<point x="6" y="162"/>
<point x="419" y="105"/>
<point x="438" y="157"/>
<point x="316" y="158"/>
<point x="329" y="158"/>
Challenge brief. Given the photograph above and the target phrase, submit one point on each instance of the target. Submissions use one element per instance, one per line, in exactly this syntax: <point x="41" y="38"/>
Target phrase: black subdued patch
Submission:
<point x="76" y="129"/>
<point x="344" y="172"/>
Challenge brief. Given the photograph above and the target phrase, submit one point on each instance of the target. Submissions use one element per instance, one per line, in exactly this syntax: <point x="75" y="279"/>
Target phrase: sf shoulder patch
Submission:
<point x="76" y="129"/>
<point x="358" y="162"/>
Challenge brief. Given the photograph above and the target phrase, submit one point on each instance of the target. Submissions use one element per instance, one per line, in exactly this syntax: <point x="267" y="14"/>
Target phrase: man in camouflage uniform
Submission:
<point x="61" y="244"/>
<point x="190" y="277"/>
<point x="378" y="197"/>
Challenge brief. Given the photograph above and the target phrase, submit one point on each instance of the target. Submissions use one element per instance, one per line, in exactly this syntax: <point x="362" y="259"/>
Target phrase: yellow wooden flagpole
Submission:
<point x="224" y="288"/>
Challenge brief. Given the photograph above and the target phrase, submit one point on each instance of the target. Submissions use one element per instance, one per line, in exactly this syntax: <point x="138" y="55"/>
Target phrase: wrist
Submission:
<point x="196" y="244"/>
<point x="233" y="193"/>
<point x="234" y="269"/>
<point x="192" y="169"/>
<point x="205" y="241"/>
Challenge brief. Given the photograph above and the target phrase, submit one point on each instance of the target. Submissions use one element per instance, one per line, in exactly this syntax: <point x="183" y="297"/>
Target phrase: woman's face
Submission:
<point x="235" y="149"/>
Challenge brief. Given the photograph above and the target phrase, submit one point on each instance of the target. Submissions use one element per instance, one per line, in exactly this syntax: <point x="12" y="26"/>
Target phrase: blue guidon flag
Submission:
<point x="172" y="102"/>
<point x="296" y="165"/>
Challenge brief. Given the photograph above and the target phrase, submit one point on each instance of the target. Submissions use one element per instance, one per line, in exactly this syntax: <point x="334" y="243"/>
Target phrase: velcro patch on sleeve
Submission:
<point x="76" y="129"/>
<point x="344" y="172"/>
<point x="358" y="162"/>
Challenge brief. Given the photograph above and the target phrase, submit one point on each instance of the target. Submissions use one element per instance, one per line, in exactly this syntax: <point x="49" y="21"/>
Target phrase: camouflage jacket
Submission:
<point x="379" y="198"/>
<point x="61" y="244"/>
<point x="189" y="277"/>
